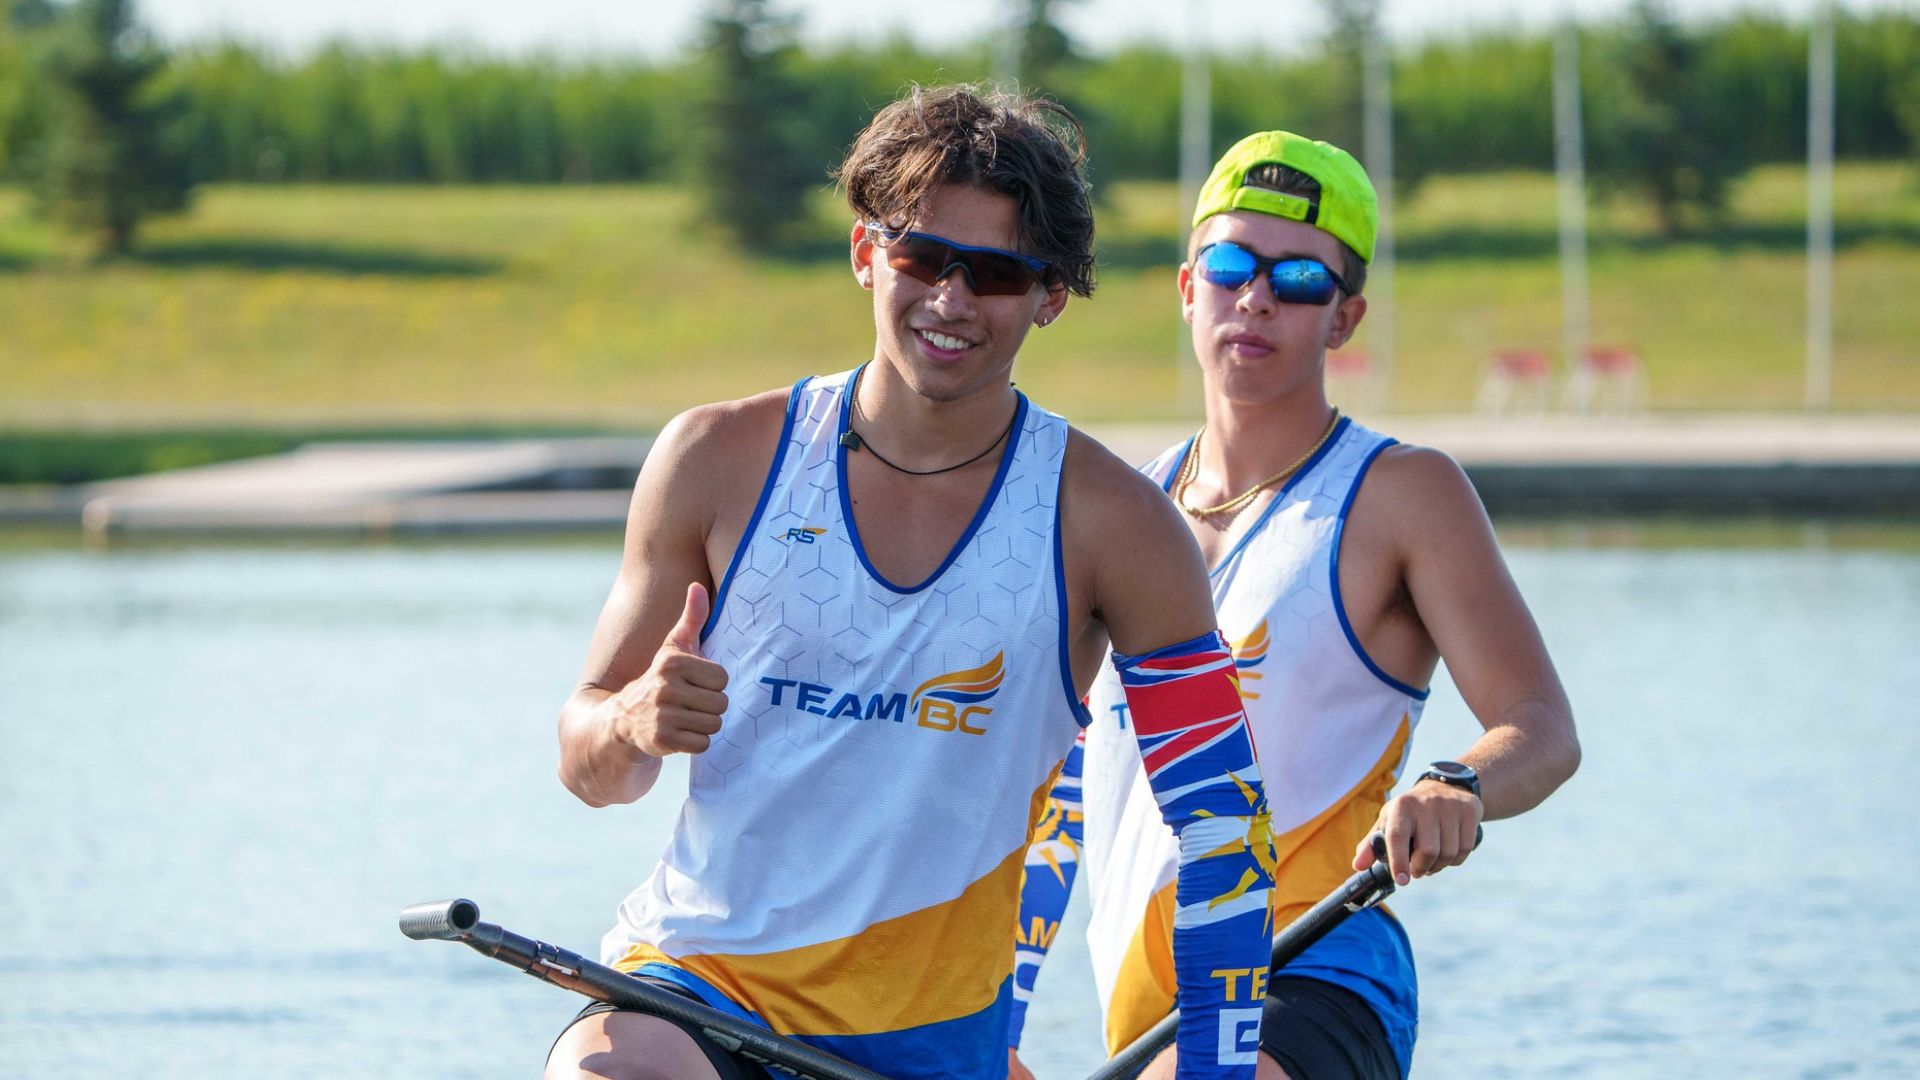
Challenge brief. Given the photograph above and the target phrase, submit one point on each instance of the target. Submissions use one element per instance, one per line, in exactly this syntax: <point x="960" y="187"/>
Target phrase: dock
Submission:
<point x="1544" y="466"/>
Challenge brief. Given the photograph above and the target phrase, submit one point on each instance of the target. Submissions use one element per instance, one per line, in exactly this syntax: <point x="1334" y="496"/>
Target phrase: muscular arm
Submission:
<point x="1470" y="608"/>
<point x="644" y="691"/>
<point x="1147" y="583"/>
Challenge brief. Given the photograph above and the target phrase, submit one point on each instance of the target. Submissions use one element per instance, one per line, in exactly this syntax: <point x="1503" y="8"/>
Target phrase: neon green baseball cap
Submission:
<point x="1347" y="206"/>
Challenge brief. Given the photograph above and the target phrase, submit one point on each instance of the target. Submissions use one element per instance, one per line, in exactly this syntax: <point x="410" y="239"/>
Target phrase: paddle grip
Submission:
<point x="442" y="920"/>
<point x="459" y="920"/>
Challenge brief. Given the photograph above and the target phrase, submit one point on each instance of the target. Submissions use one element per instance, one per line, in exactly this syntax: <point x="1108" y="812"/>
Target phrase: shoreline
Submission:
<point x="1527" y="467"/>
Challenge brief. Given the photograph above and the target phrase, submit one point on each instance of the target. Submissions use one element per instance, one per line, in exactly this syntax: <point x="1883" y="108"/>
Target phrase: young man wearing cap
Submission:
<point x="911" y="568"/>
<point x="1344" y="566"/>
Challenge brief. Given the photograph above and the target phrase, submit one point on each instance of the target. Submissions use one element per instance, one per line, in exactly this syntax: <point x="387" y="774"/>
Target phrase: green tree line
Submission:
<point x="439" y="115"/>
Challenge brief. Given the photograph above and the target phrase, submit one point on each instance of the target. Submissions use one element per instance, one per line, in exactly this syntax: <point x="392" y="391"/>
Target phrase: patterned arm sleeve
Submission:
<point x="1185" y="705"/>
<point x="1046" y="883"/>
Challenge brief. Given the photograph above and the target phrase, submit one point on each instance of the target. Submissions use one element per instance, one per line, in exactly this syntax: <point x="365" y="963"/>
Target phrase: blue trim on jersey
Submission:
<point x="759" y="508"/>
<point x="708" y="996"/>
<point x="1339" y="432"/>
<point x="979" y="516"/>
<point x="1369" y="954"/>
<point x="972" y="1046"/>
<point x="1333" y="561"/>
<point x="1079" y="707"/>
<point x="1174" y="473"/>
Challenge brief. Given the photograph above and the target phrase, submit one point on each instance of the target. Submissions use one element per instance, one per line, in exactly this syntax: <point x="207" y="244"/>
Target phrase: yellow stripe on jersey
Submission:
<point x="1145" y="987"/>
<point x="1318" y="854"/>
<point x="912" y="970"/>
<point x="920" y="968"/>
<point x="1313" y="858"/>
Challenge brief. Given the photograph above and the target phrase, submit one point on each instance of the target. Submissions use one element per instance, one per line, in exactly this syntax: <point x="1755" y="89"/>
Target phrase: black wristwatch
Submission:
<point x="1453" y="774"/>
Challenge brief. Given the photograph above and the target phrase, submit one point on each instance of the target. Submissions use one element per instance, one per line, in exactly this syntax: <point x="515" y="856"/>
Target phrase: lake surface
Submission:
<point x="223" y="770"/>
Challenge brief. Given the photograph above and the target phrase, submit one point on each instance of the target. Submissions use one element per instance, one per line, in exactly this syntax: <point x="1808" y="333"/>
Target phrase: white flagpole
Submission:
<point x="1569" y="160"/>
<point x="1376" y="108"/>
<point x="1196" y="158"/>
<point x="1820" y="208"/>
<point x="1006" y="49"/>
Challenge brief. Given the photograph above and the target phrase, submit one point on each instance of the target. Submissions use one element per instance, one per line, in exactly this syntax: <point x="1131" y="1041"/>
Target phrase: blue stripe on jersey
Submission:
<point x="964" y="1046"/>
<point x="1340" y="607"/>
<point x="1279" y="497"/>
<point x="979" y="516"/>
<point x="1074" y="701"/>
<point x="759" y="509"/>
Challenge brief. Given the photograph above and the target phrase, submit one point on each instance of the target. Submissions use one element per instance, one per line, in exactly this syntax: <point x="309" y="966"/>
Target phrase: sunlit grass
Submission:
<point x="609" y="306"/>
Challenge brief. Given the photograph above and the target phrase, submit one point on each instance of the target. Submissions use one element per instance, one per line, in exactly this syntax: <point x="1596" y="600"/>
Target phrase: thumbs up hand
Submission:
<point x="675" y="707"/>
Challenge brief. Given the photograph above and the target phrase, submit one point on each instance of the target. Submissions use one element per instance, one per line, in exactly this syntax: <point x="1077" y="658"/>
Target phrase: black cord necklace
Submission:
<point x="852" y="441"/>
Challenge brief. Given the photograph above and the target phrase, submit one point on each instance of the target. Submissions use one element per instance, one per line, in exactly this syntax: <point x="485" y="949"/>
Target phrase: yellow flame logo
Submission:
<point x="963" y="687"/>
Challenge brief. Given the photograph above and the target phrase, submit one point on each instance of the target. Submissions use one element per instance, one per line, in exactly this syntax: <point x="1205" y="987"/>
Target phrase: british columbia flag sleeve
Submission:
<point x="1185" y="704"/>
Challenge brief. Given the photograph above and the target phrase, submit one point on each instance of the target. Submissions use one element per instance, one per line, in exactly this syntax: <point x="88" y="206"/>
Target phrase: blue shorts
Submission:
<point x="1367" y="956"/>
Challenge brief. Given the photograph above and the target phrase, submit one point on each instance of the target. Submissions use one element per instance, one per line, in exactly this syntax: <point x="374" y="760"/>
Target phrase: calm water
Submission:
<point x="224" y="769"/>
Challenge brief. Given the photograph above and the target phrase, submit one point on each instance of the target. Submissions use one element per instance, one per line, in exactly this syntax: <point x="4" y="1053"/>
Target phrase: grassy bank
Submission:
<point x="607" y="306"/>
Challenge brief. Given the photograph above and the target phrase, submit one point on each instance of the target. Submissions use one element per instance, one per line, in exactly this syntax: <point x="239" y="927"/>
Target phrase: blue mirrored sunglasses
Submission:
<point x="1294" y="280"/>
<point x="989" y="271"/>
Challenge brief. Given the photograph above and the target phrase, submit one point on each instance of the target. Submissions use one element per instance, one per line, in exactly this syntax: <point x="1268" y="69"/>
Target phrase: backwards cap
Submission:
<point x="1347" y="207"/>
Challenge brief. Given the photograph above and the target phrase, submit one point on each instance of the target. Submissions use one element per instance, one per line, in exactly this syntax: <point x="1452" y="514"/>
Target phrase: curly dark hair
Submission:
<point x="1029" y="149"/>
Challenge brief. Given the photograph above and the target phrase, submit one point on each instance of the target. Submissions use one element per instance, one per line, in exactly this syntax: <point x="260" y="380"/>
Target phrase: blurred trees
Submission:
<point x="1655" y="136"/>
<point x="22" y="30"/>
<point x="755" y="157"/>
<point x="1906" y="103"/>
<point x="347" y="113"/>
<point x="1041" y="49"/>
<point x="107" y="158"/>
<point x="13" y="84"/>
<point x="1472" y="104"/>
<point x="1350" y="23"/>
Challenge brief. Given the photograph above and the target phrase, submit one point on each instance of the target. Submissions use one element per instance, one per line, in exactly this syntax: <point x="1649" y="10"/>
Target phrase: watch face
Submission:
<point x="1453" y="769"/>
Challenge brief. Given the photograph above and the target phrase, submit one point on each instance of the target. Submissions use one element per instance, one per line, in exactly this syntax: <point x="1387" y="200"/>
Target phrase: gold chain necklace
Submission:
<point x="1190" y="469"/>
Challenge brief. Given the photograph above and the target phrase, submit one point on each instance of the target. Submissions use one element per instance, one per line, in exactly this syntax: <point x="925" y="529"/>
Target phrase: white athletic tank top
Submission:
<point x="1330" y="728"/>
<point x="847" y="863"/>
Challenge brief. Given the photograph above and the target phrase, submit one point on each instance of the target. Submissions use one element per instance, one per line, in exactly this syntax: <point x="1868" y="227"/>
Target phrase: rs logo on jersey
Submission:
<point x="806" y="534"/>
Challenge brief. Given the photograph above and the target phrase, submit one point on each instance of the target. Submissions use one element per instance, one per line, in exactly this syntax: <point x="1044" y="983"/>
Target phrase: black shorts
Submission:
<point x="1319" y="1031"/>
<point x="727" y="1065"/>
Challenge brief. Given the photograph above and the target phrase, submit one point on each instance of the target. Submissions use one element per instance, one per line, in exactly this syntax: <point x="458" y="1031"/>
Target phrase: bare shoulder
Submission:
<point x="1104" y="492"/>
<point x="1419" y="504"/>
<point x="1419" y="482"/>
<point x="1128" y="552"/>
<point x="705" y="463"/>
<point x="721" y="434"/>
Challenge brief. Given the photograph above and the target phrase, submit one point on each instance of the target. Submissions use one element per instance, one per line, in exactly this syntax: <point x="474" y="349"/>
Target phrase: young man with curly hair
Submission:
<point x="868" y="607"/>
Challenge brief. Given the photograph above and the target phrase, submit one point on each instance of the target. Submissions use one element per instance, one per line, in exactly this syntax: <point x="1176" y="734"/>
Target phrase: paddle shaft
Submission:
<point x="458" y="920"/>
<point x="1355" y="893"/>
<point x="1363" y="889"/>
